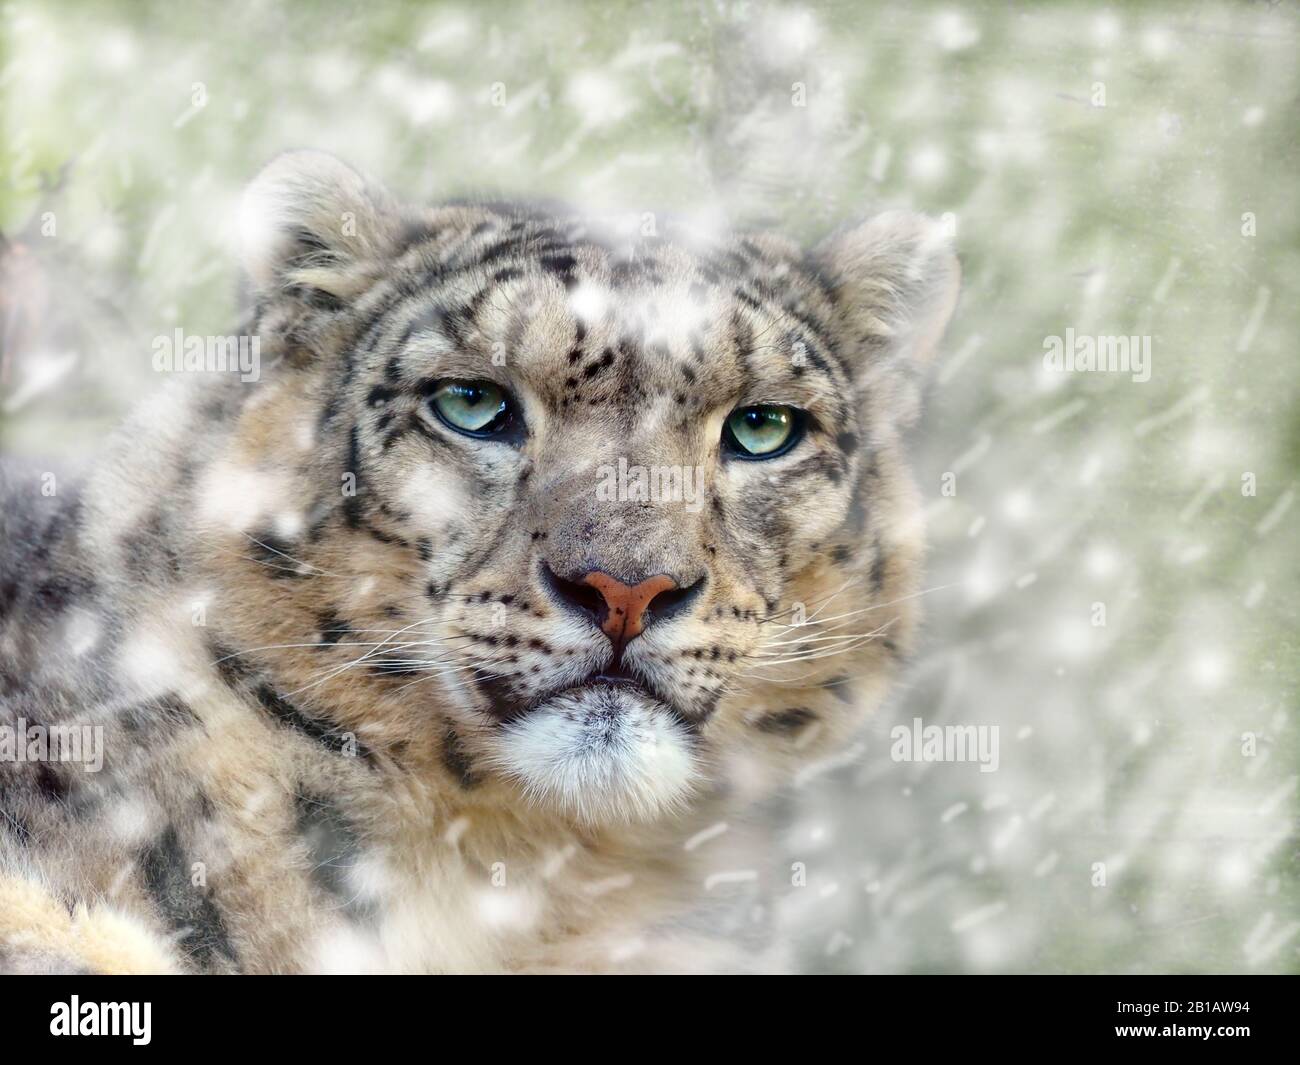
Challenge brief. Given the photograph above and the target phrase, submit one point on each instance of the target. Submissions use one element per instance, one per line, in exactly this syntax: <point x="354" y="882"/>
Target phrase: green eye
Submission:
<point x="479" y="408"/>
<point x="763" y="431"/>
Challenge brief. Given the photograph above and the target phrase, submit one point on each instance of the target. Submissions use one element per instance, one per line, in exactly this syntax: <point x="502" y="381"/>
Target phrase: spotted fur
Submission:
<point x="347" y="722"/>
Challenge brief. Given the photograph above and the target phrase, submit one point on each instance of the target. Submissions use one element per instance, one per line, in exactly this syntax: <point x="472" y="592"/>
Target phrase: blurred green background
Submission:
<point x="1117" y="170"/>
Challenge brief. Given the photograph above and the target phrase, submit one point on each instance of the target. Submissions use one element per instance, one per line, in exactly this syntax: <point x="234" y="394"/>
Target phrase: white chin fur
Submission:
<point x="601" y="755"/>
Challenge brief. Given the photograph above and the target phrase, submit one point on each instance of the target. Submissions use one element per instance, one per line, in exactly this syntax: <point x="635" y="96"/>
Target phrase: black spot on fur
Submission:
<point x="821" y="463"/>
<point x="603" y="363"/>
<point x="56" y="594"/>
<point x="332" y="628"/>
<point x="8" y="596"/>
<point x="786" y="722"/>
<point x="289" y="716"/>
<point x="187" y="909"/>
<point x="163" y="713"/>
<point x="148" y="550"/>
<point x="332" y="847"/>
<point x="705" y="705"/>
<point x="51" y="783"/>
<point x="503" y="704"/>
<point x="385" y="537"/>
<point x="230" y="667"/>
<point x="379" y="395"/>
<point x="275" y="555"/>
<point x="562" y="266"/>
<point x="456" y="760"/>
<point x="316" y="298"/>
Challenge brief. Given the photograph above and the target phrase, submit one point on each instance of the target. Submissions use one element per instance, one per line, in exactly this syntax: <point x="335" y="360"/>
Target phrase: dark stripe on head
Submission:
<point x="856" y="520"/>
<point x="352" y="502"/>
<point x="877" y="577"/>
<point x="830" y="466"/>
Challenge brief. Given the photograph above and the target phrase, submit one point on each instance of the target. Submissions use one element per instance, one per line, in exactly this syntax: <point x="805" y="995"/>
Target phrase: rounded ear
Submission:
<point x="895" y="280"/>
<point x="310" y="222"/>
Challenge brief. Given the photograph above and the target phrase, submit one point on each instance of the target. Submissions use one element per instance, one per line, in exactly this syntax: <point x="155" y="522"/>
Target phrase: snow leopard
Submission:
<point x="486" y="625"/>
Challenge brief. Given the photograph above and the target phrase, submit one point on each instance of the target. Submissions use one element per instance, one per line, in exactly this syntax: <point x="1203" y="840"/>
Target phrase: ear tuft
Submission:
<point x="308" y="220"/>
<point x="895" y="278"/>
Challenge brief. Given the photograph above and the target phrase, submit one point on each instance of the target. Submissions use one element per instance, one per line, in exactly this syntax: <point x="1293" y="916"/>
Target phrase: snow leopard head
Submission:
<point x="567" y="515"/>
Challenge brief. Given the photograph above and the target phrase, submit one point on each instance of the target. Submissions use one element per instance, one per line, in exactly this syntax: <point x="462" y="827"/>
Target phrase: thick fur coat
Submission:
<point x="353" y="716"/>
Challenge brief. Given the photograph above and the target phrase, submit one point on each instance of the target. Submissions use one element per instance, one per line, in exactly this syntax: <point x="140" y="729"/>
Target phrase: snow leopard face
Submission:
<point x="562" y="516"/>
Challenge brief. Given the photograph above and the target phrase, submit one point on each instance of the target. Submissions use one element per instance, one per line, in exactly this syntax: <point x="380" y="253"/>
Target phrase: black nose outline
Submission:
<point x="580" y="598"/>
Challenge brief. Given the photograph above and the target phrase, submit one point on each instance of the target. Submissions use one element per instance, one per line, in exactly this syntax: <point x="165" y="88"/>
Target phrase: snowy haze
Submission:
<point x="1112" y="577"/>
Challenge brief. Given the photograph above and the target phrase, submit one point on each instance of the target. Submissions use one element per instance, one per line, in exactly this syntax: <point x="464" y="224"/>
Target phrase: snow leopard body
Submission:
<point x="347" y="721"/>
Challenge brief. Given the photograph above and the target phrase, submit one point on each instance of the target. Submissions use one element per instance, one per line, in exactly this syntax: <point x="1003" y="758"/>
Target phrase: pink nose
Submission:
<point x="625" y="604"/>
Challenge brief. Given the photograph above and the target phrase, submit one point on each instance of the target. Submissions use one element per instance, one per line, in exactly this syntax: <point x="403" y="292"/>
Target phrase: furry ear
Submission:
<point x="310" y="224"/>
<point x="895" y="280"/>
